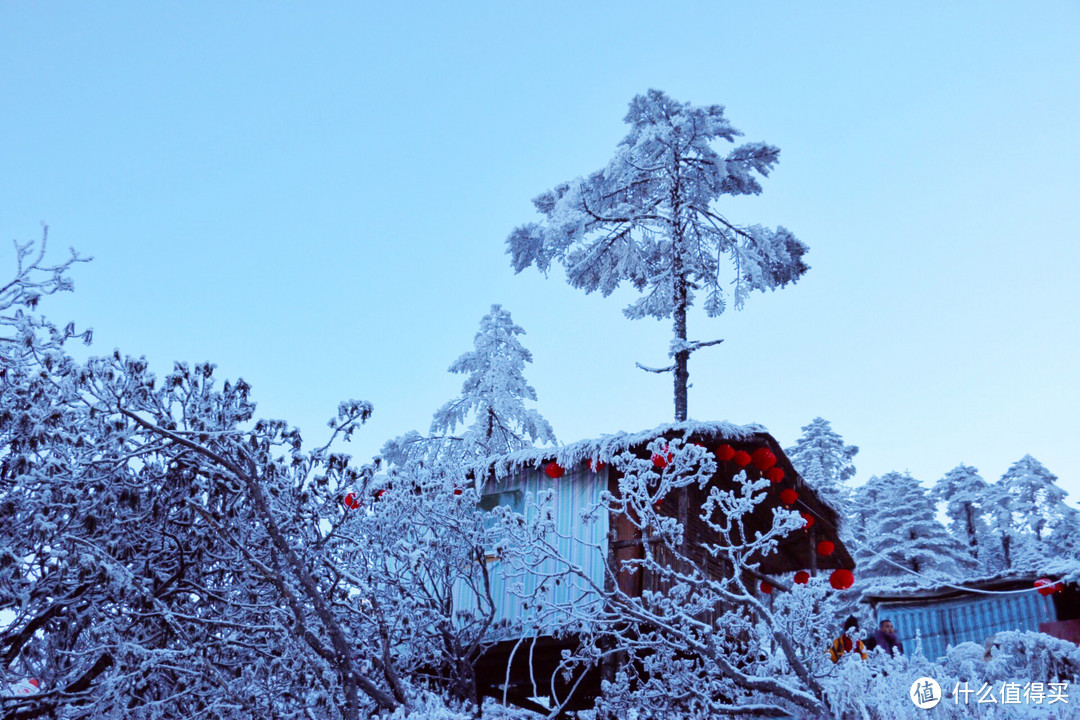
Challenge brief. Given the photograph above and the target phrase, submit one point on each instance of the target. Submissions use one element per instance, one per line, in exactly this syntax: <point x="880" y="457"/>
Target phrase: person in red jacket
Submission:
<point x="846" y="642"/>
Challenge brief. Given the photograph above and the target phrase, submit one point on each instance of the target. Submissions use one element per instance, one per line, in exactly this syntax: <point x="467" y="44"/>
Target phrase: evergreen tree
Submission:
<point x="900" y="527"/>
<point x="1037" y="509"/>
<point x="648" y="218"/>
<point x="1041" y="521"/>
<point x="494" y="393"/>
<point x="1008" y="542"/>
<point x="823" y="459"/>
<point x="964" y="491"/>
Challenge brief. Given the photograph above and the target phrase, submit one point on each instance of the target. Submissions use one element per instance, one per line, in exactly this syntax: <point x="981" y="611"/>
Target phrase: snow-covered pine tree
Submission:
<point x="648" y="218"/>
<point x="964" y="491"/>
<point x="494" y="393"/>
<point x="823" y="459"/>
<point x="900" y="527"/>
<point x="1001" y="530"/>
<point x="1039" y="508"/>
<point x="1039" y="524"/>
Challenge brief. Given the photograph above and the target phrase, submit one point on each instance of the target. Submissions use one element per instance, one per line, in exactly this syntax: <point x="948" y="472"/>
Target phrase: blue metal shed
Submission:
<point x="943" y="617"/>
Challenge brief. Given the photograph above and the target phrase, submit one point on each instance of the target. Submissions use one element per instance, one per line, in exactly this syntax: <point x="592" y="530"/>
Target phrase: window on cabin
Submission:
<point x="513" y="499"/>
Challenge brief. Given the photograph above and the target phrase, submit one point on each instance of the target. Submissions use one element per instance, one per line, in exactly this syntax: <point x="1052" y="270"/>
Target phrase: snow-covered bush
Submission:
<point x="1017" y="667"/>
<point x="165" y="554"/>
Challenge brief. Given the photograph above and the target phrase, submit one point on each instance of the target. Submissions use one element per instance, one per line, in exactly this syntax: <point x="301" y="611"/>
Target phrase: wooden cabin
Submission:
<point x="530" y="652"/>
<point x="943" y="616"/>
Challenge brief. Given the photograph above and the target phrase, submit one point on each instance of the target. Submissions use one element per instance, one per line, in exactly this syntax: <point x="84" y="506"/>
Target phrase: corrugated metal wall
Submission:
<point x="582" y="542"/>
<point x="969" y="619"/>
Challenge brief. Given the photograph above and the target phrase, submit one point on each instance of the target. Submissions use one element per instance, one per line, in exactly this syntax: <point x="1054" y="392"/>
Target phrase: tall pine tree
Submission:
<point x="1040" y="516"/>
<point x="900" y="528"/>
<point x="648" y="218"/>
<point x="823" y="459"/>
<point x="1009" y="542"/>
<point x="494" y="392"/>
<point x="964" y="491"/>
<point x="491" y="407"/>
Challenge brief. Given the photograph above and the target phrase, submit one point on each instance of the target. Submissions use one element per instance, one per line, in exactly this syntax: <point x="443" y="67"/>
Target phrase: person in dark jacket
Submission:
<point x="846" y="642"/>
<point x="885" y="638"/>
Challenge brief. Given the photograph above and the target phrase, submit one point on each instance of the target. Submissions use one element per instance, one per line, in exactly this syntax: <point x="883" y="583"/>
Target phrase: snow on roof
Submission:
<point x="606" y="447"/>
<point x="904" y="589"/>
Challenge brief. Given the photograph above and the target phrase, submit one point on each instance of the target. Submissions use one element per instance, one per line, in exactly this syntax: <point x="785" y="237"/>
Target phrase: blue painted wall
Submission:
<point x="581" y="540"/>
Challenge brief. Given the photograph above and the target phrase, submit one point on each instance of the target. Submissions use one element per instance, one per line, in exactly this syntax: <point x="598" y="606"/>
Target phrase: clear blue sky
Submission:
<point x="316" y="197"/>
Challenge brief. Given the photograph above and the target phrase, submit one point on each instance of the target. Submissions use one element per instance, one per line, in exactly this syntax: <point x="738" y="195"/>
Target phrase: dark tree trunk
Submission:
<point x="682" y="356"/>
<point x="969" y="516"/>
<point x="680" y="280"/>
<point x="682" y="372"/>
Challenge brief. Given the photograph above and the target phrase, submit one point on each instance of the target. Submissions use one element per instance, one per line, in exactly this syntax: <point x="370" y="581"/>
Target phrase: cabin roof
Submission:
<point x="606" y="447"/>
<point x="795" y="552"/>
<point x="930" y="591"/>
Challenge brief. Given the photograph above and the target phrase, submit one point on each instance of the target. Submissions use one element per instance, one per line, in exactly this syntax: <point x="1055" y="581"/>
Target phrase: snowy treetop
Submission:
<point x="648" y="217"/>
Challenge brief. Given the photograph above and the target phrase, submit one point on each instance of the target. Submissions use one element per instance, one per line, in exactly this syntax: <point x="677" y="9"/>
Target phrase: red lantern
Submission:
<point x="27" y="686"/>
<point x="808" y="520"/>
<point x="741" y="458"/>
<point x="763" y="458"/>
<point x="724" y="453"/>
<point x="596" y="466"/>
<point x="775" y="474"/>
<point x="766" y="587"/>
<point x="841" y="579"/>
<point x="351" y="501"/>
<point x="554" y="470"/>
<point x="802" y="577"/>
<point x="825" y="548"/>
<point x="788" y="496"/>
<point x="1046" y="586"/>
